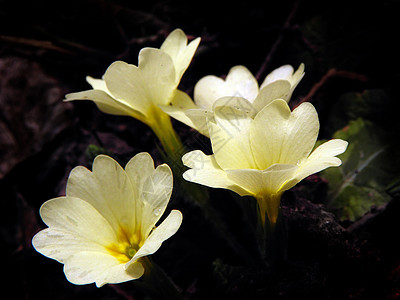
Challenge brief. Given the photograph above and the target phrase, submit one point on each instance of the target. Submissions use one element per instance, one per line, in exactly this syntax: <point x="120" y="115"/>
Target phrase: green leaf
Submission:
<point x="370" y="166"/>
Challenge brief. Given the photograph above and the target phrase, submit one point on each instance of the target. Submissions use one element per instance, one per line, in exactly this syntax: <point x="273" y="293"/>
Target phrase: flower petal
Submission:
<point x="278" y="135"/>
<point x="176" y="46"/>
<point x="207" y="90"/>
<point x="241" y="83"/>
<point x="180" y="103"/>
<point x="108" y="189"/>
<point x="276" y="90"/>
<point x="266" y="181"/>
<point x="102" y="97"/>
<point x="205" y="170"/>
<point x="154" y="189"/>
<point x="321" y="158"/>
<point x="229" y="134"/>
<point x="97" y="84"/>
<point x="88" y="267"/>
<point x="139" y="168"/>
<point x="163" y="232"/>
<point x="142" y="87"/>
<point x="297" y="76"/>
<point x="199" y="119"/>
<point x="238" y="83"/>
<point x="77" y="236"/>
<point x="238" y="103"/>
<point x="74" y="226"/>
<point x="285" y="72"/>
<point x="250" y="180"/>
<point x="106" y="103"/>
<point x="156" y="192"/>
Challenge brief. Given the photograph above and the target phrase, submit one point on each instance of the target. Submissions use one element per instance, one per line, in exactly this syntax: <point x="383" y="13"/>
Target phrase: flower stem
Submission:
<point x="170" y="141"/>
<point x="271" y="231"/>
<point x="172" y="152"/>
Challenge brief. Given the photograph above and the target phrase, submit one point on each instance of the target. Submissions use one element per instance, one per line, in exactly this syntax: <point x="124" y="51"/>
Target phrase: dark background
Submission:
<point x="48" y="47"/>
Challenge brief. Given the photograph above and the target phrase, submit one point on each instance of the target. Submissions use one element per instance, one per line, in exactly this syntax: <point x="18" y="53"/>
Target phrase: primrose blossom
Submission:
<point x="239" y="82"/>
<point x="106" y="223"/>
<point x="261" y="154"/>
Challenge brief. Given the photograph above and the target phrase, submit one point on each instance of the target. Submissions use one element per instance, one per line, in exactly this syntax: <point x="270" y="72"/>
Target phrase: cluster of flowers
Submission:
<point x="106" y="222"/>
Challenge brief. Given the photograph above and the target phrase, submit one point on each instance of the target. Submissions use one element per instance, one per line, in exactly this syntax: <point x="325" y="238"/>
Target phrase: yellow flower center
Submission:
<point x="127" y="246"/>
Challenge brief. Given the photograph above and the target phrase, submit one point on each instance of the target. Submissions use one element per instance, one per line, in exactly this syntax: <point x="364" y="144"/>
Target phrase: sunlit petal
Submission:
<point x="181" y="53"/>
<point x="321" y="158"/>
<point x="161" y="233"/>
<point x="87" y="267"/>
<point x="281" y="136"/>
<point x="238" y="83"/>
<point x="205" y="170"/>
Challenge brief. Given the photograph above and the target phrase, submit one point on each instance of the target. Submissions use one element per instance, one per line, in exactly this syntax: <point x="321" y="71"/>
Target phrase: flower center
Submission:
<point x="130" y="251"/>
<point x="126" y="246"/>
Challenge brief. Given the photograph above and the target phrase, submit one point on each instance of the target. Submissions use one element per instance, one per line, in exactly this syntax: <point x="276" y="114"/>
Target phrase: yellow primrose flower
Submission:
<point x="239" y="82"/>
<point x="105" y="223"/>
<point x="261" y="154"/>
<point x="137" y="91"/>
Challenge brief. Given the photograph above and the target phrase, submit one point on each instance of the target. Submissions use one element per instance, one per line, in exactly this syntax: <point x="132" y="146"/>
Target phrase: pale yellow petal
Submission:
<point x="205" y="170"/>
<point x="102" y="97"/>
<point x="139" y="168"/>
<point x="161" y="233"/>
<point x="74" y="225"/>
<point x="180" y="103"/>
<point x="106" y="103"/>
<point x="301" y="134"/>
<point x="297" y="76"/>
<point x="282" y="73"/>
<point x="199" y="118"/>
<point x="268" y="132"/>
<point x="277" y="176"/>
<point x="285" y="72"/>
<point x="234" y="115"/>
<point x="108" y="189"/>
<point x="156" y="192"/>
<point x="321" y="158"/>
<point x="158" y="73"/>
<point x="152" y="83"/>
<point x="270" y="180"/>
<point x="238" y="83"/>
<point x="229" y="136"/>
<point x="88" y="267"/>
<point x="250" y="180"/>
<point x="276" y="90"/>
<point x="241" y="83"/>
<point x="278" y="135"/>
<point x="198" y="160"/>
<point x="207" y="90"/>
<point x="126" y="82"/>
<point x="154" y="188"/>
<point x="237" y="103"/>
<point x="118" y="194"/>
<point x="97" y="84"/>
<point x="181" y="53"/>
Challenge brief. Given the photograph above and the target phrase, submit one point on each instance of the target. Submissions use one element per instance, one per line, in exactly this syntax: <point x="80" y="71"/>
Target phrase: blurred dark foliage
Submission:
<point x="48" y="47"/>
